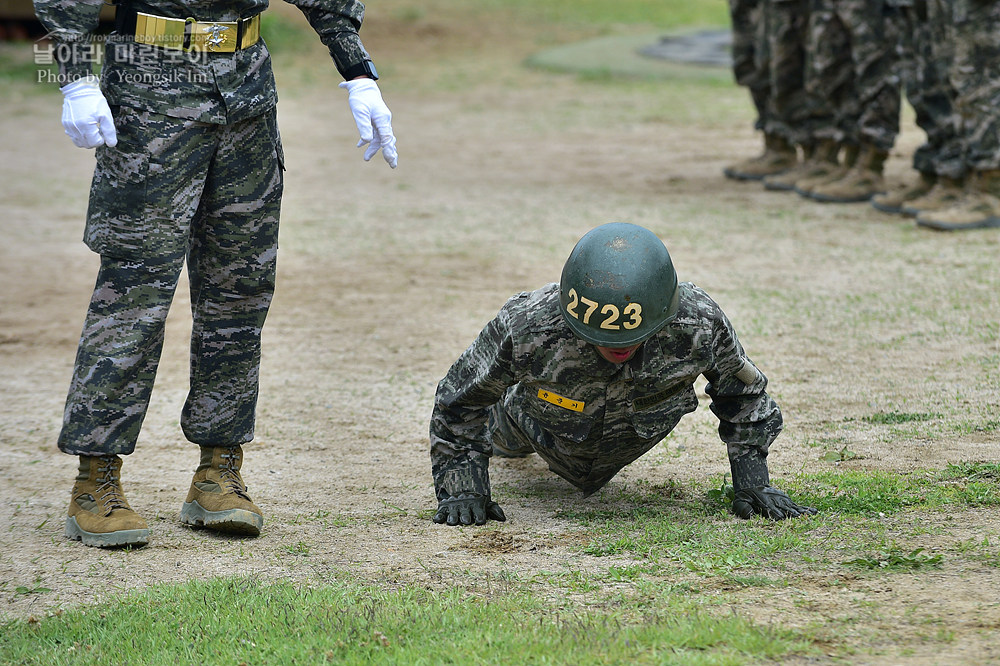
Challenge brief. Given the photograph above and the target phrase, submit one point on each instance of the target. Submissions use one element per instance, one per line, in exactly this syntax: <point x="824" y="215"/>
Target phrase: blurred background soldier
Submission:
<point x="752" y="68"/>
<point x="798" y="112"/>
<point x="593" y="372"/>
<point x="852" y="46"/>
<point x="975" y="75"/>
<point x="926" y="53"/>
<point x="189" y="167"/>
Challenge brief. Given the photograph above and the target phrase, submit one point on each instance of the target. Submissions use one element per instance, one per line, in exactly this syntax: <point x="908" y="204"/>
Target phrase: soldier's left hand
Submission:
<point x="373" y="118"/>
<point x="768" y="502"/>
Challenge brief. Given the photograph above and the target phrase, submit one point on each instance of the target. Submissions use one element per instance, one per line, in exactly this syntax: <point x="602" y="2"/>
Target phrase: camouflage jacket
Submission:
<point x="585" y="416"/>
<point x="217" y="88"/>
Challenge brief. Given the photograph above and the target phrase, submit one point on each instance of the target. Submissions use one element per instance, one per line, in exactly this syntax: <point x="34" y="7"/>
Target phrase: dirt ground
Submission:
<point x="385" y="276"/>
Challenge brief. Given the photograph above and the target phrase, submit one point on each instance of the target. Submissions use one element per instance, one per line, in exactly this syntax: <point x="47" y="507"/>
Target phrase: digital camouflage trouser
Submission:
<point x="852" y="62"/>
<point x="791" y="108"/>
<point x="928" y="51"/>
<point x="749" y="54"/>
<point x="975" y="74"/>
<point x="174" y="189"/>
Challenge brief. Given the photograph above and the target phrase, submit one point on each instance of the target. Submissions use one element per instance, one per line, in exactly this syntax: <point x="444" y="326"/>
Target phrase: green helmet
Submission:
<point x="618" y="286"/>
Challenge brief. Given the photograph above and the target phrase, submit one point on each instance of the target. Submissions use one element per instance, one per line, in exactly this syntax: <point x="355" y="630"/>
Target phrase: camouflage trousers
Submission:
<point x="175" y="190"/>
<point x="927" y="53"/>
<point x="791" y="108"/>
<point x="769" y="59"/>
<point x="749" y="64"/>
<point x="975" y="75"/>
<point x="852" y="63"/>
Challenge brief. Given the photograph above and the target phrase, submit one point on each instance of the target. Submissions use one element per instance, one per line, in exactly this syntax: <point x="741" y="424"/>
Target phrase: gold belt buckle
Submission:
<point x="191" y="34"/>
<point x="215" y="37"/>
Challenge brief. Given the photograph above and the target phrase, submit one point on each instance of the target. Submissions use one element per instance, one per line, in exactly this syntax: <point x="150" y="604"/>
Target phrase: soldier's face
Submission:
<point x="617" y="354"/>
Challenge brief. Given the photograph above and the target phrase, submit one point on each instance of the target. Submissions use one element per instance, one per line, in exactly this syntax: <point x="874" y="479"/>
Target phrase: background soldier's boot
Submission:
<point x="831" y="173"/>
<point x="946" y="193"/>
<point x="893" y="202"/>
<point x="979" y="209"/>
<point x="218" y="497"/>
<point x="779" y="155"/>
<point x="820" y="161"/>
<point x="860" y="183"/>
<point x="777" y="181"/>
<point x="99" y="514"/>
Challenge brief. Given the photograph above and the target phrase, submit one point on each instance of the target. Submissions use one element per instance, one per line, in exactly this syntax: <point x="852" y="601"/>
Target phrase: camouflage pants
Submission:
<point x="174" y="189"/>
<point x="749" y="67"/>
<point x="791" y="108"/>
<point x="852" y="63"/>
<point x="769" y="58"/>
<point x="927" y="53"/>
<point x="975" y="75"/>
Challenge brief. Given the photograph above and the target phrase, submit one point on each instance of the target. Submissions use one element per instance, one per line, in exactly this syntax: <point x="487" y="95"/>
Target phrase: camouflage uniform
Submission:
<point x="853" y="65"/>
<point x="769" y="59"/>
<point x="790" y="106"/>
<point x="529" y="384"/>
<point x="975" y="75"/>
<point x="927" y="53"/>
<point x="196" y="175"/>
<point x="749" y="55"/>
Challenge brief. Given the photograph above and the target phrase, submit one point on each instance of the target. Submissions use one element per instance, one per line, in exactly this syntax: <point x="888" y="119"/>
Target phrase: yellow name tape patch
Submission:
<point x="560" y="401"/>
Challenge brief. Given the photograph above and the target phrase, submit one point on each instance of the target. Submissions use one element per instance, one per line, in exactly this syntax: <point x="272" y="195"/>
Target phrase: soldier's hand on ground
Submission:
<point x="86" y="116"/>
<point x="373" y="118"/>
<point x="768" y="502"/>
<point x="468" y="508"/>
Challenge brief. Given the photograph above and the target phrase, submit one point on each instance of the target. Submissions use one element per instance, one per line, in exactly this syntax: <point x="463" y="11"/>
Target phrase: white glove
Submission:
<point x="373" y="118"/>
<point x="86" y="116"/>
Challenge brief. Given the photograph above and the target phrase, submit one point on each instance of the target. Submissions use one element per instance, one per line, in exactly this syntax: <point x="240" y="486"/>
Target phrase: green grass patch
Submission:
<point x="242" y="621"/>
<point x="662" y="14"/>
<point x="895" y="418"/>
<point x="894" y="558"/>
<point x="973" y="471"/>
<point x="690" y="526"/>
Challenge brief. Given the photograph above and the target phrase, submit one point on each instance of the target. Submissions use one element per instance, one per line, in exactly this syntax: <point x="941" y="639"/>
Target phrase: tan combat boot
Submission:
<point x="218" y="498"/>
<point x="779" y="155"/>
<point x="893" y="201"/>
<point x="831" y="173"/>
<point x="820" y="161"/>
<point x="860" y="183"/>
<point x="99" y="514"/>
<point x="978" y="210"/>
<point x="946" y="193"/>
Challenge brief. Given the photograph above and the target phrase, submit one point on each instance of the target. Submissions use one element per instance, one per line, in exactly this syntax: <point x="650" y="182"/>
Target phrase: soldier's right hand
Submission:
<point x="86" y="116"/>
<point x="468" y="508"/>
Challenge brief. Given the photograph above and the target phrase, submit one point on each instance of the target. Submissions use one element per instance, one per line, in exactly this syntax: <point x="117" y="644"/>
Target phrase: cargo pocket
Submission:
<point x="122" y="220"/>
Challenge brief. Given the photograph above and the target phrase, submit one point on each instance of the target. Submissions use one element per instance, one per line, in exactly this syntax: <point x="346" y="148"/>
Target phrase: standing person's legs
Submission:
<point x="975" y="74"/>
<point x="231" y="264"/>
<point x="751" y="66"/>
<point x="873" y="29"/>
<point x="144" y="193"/>
<point x="829" y="78"/>
<point x="932" y="96"/>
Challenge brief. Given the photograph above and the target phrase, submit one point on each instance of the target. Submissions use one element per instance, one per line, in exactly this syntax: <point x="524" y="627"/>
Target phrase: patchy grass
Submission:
<point x="239" y="620"/>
